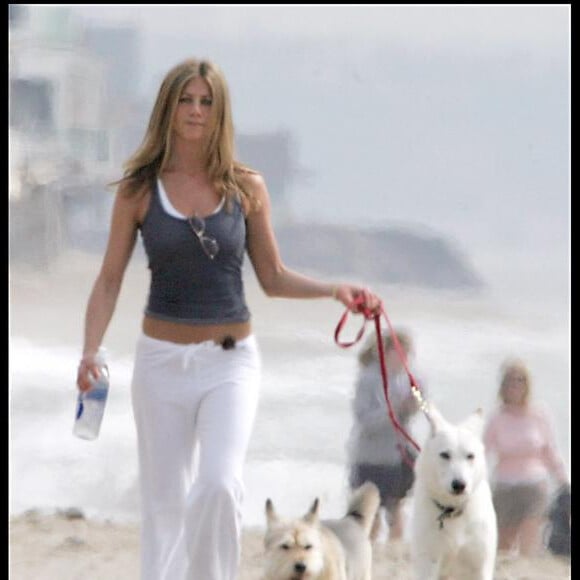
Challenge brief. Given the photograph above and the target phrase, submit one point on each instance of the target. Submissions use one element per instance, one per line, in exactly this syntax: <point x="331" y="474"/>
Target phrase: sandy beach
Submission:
<point x="64" y="546"/>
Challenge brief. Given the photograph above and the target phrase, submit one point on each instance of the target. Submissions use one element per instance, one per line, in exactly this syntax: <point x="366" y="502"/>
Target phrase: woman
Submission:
<point x="520" y="441"/>
<point x="376" y="450"/>
<point x="197" y="367"/>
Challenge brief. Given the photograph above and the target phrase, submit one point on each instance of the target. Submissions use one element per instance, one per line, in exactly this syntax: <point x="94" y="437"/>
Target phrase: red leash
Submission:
<point x="368" y="315"/>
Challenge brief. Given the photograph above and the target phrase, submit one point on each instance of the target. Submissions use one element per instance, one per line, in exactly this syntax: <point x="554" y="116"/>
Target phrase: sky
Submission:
<point x="483" y="27"/>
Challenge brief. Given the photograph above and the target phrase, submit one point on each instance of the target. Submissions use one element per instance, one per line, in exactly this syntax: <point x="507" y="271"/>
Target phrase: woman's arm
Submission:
<point x="103" y="297"/>
<point x="552" y="457"/>
<point x="277" y="280"/>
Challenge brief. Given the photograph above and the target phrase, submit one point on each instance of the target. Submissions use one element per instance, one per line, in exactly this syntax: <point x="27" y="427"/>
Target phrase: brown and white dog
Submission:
<point x="308" y="548"/>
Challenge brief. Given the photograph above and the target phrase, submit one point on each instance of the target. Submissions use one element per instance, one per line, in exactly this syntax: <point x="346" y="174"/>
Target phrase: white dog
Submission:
<point x="308" y="548"/>
<point x="453" y="522"/>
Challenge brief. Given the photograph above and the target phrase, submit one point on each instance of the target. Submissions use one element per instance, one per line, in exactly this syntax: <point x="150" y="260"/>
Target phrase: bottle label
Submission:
<point x="95" y="394"/>
<point x="91" y="405"/>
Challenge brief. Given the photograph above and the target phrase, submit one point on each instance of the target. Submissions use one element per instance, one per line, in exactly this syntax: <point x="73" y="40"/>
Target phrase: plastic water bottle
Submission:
<point x="91" y="404"/>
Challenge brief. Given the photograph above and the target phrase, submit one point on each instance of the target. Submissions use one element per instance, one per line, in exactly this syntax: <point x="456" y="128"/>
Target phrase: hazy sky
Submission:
<point x="485" y="27"/>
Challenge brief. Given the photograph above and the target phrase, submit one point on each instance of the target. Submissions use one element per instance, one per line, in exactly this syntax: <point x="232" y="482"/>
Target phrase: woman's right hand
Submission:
<point x="88" y="372"/>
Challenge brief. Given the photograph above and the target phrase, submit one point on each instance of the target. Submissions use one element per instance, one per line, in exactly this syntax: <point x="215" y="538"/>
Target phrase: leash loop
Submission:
<point x="367" y="315"/>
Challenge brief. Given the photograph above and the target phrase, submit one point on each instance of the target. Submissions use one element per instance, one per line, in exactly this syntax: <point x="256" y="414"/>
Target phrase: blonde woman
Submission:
<point x="374" y="446"/>
<point x="197" y="366"/>
<point x="520" y="443"/>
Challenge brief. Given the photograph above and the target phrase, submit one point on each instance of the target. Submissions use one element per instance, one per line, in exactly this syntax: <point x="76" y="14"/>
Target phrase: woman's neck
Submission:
<point x="189" y="159"/>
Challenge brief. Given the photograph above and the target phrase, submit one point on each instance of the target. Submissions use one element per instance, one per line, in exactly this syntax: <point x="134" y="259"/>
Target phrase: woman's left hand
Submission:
<point x="357" y="298"/>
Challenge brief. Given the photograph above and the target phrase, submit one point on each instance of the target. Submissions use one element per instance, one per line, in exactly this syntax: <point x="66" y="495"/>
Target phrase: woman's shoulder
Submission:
<point x="540" y="412"/>
<point x="134" y="197"/>
<point x="132" y="189"/>
<point x="254" y="193"/>
<point x="494" y="416"/>
<point x="250" y="179"/>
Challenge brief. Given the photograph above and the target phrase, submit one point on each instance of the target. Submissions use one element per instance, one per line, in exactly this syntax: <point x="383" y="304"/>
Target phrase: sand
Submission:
<point x="61" y="546"/>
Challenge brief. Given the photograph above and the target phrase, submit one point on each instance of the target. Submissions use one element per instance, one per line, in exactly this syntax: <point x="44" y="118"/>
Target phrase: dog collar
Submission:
<point x="447" y="512"/>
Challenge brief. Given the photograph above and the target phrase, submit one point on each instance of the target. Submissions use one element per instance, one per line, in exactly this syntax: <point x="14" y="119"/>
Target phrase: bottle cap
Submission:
<point x="101" y="356"/>
<point x="101" y="361"/>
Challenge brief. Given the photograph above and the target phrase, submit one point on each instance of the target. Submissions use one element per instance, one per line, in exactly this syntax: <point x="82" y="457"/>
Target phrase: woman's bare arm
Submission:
<point x="277" y="280"/>
<point x="105" y="292"/>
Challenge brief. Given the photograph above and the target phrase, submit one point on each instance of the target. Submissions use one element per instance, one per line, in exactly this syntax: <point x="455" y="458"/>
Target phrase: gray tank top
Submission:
<point x="186" y="285"/>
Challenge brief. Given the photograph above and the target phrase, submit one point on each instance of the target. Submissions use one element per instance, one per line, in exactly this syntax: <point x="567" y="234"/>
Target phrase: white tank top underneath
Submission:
<point x="168" y="206"/>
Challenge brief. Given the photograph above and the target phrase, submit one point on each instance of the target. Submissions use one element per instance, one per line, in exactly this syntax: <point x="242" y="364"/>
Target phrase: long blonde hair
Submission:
<point x="152" y="156"/>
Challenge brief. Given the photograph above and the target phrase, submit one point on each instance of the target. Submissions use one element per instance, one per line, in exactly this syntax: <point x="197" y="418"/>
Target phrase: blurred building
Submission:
<point x="57" y="110"/>
<point x="126" y="117"/>
<point x="66" y="141"/>
<point x="275" y="155"/>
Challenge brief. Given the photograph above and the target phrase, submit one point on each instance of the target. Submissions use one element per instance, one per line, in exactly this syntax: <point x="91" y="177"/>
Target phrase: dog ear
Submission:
<point x="312" y="515"/>
<point x="271" y="515"/>
<point x="435" y="418"/>
<point x="474" y="422"/>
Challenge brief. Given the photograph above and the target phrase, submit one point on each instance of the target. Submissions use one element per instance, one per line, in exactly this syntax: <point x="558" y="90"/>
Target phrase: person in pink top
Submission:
<point x="520" y="444"/>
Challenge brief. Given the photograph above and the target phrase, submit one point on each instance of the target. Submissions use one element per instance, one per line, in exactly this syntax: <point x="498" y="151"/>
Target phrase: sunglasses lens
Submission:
<point x="210" y="246"/>
<point x="197" y="225"/>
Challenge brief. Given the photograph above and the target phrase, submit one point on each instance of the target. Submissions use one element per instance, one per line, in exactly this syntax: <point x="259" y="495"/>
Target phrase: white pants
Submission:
<point x="187" y="398"/>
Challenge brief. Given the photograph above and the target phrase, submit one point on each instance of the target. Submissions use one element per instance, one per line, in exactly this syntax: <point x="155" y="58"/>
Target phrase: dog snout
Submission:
<point x="458" y="486"/>
<point x="300" y="567"/>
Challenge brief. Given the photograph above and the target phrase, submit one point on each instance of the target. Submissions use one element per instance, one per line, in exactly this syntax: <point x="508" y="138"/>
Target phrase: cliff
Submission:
<point x="392" y="255"/>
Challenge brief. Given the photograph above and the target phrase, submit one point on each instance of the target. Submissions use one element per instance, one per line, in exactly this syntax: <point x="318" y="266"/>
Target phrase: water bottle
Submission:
<point x="91" y="404"/>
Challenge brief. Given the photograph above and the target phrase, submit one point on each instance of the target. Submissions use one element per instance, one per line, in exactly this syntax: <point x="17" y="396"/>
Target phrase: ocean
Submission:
<point x="297" y="450"/>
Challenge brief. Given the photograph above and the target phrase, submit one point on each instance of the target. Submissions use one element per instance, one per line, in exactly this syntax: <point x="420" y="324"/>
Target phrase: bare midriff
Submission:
<point x="194" y="333"/>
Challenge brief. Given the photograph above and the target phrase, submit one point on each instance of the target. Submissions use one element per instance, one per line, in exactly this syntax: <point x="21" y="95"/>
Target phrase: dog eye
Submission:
<point x="470" y="456"/>
<point x="444" y="455"/>
<point x="308" y="547"/>
<point x="285" y="547"/>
